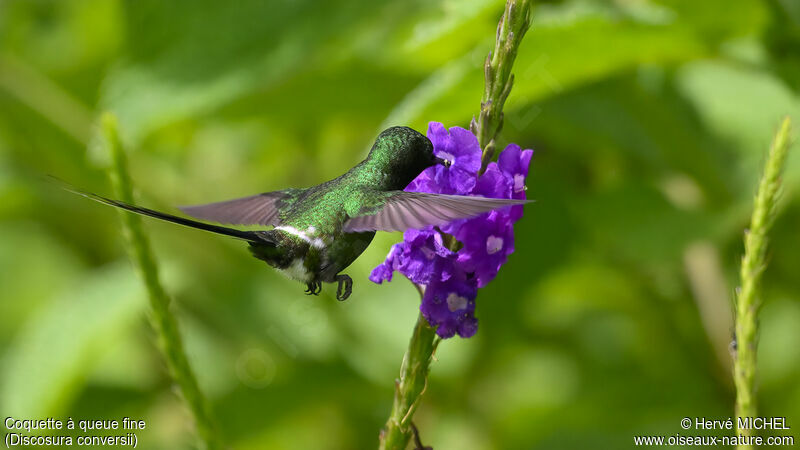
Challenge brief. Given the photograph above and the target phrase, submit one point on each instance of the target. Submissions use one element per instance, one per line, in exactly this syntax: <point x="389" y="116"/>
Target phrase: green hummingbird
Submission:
<point x="319" y="231"/>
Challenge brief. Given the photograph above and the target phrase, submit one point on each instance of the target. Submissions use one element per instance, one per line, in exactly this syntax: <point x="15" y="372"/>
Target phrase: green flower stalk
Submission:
<point x="165" y="324"/>
<point x="409" y="388"/>
<point x="753" y="265"/>
<point x="497" y="70"/>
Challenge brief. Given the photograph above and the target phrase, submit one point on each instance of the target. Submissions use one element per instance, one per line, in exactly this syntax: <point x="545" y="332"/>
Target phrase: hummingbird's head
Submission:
<point x="400" y="154"/>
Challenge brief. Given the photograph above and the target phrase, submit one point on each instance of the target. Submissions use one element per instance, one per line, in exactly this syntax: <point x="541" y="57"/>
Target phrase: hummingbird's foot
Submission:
<point x="346" y="282"/>
<point x="417" y="442"/>
<point x="314" y="288"/>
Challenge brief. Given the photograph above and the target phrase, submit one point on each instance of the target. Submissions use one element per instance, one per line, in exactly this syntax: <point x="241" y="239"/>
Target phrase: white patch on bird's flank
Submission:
<point x="493" y="244"/>
<point x="297" y="271"/>
<point x="456" y="302"/>
<point x="307" y="235"/>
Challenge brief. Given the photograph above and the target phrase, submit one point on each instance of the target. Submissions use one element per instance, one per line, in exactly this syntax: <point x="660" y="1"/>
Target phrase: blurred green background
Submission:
<point x="649" y="119"/>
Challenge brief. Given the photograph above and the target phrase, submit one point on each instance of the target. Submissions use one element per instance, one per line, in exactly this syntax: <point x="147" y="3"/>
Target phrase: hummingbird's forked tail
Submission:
<point x="250" y="236"/>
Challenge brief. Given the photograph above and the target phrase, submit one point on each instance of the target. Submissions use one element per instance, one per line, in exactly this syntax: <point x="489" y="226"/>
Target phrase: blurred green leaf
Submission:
<point x="566" y="46"/>
<point x="744" y="106"/>
<point x="29" y="256"/>
<point x="59" y="345"/>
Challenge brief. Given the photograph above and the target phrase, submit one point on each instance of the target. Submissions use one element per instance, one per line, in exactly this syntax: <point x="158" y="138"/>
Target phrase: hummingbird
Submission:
<point x="320" y="230"/>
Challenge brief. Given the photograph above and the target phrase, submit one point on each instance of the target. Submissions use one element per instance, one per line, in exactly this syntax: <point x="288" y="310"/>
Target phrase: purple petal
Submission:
<point x="384" y="270"/>
<point x="493" y="183"/>
<point x="422" y="257"/>
<point x="508" y="160"/>
<point x="514" y="163"/>
<point x="450" y="306"/>
<point x="466" y="150"/>
<point x="438" y="135"/>
<point x="468" y="327"/>
<point x="488" y="240"/>
<point x="424" y="182"/>
<point x="454" y="181"/>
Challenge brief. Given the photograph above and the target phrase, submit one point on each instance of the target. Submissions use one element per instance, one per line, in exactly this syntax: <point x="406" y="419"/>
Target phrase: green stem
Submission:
<point x="410" y="386"/>
<point x="753" y="264"/>
<point x="499" y="79"/>
<point x="164" y="322"/>
<point x="416" y="362"/>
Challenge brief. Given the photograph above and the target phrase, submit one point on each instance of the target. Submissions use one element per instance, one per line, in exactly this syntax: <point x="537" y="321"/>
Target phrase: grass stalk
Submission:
<point x="164" y="322"/>
<point x="753" y="264"/>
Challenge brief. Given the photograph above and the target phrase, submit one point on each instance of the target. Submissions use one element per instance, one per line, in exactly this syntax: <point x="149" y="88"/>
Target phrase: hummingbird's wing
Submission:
<point x="259" y="209"/>
<point x="400" y="210"/>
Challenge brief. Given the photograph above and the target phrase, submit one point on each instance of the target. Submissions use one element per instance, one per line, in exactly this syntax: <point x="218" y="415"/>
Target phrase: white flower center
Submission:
<point x="455" y="302"/>
<point x="519" y="182"/>
<point x="494" y="244"/>
<point x="447" y="157"/>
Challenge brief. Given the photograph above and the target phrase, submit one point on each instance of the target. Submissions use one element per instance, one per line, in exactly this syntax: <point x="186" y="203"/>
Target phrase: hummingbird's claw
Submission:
<point x="346" y="282"/>
<point x="314" y="288"/>
<point x="417" y="442"/>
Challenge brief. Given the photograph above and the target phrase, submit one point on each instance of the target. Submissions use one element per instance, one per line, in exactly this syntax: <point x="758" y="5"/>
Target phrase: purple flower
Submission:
<point x="452" y="278"/>
<point x="461" y="148"/>
<point x="514" y="164"/>
<point x="487" y="244"/>
<point x="450" y="306"/>
<point x="422" y="257"/>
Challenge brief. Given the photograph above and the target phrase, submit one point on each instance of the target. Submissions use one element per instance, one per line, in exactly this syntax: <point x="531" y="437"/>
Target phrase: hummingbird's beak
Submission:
<point x="444" y="162"/>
